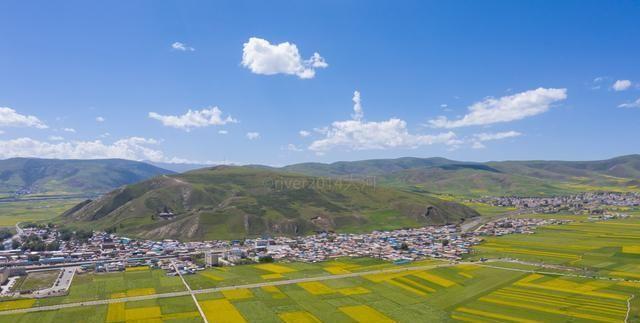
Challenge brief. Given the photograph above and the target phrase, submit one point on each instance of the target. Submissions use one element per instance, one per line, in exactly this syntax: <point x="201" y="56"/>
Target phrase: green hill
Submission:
<point x="233" y="202"/>
<point x="439" y="175"/>
<point x="55" y="176"/>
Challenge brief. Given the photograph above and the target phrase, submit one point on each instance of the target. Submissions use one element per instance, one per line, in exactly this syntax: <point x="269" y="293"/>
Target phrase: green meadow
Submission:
<point x="33" y="211"/>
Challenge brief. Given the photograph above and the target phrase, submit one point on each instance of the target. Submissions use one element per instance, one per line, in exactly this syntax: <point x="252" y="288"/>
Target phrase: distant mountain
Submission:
<point x="55" y="176"/>
<point x="439" y="175"/>
<point x="233" y="202"/>
<point x="178" y="167"/>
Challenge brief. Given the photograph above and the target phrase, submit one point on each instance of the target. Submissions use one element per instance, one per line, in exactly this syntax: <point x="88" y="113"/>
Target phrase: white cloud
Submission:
<point x="194" y="119"/>
<point x="356" y="134"/>
<point x="496" y="136"/>
<point x="134" y="148"/>
<point x="253" y="135"/>
<point x="478" y="139"/>
<point x="105" y="135"/>
<point x="261" y="57"/>
<point x="10" y="118"/>
<point x="292" y="147"/>
<point x="55" y="138"/>
<point x="223" y="132"/>
<point x="621" y="85"/>
<point x="304" y="133"/>
<point x="505" y="109"/>
<point x="634" y="104"/>
<point x="69" y="130"/>
<point x="357" y="106"/>
<point x="100" y="119"/>
<point x="182" y="47"/>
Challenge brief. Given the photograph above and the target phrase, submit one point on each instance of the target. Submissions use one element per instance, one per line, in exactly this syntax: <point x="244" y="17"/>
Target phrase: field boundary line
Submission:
<point x="626" y="318"/>
<point x="286" y="282"/>
<point x="217" y="289"/>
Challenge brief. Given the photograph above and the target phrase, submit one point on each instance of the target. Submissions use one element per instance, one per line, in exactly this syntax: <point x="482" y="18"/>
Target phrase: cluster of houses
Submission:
<point x="515" y="225"/>
<point x="593" y="203"/>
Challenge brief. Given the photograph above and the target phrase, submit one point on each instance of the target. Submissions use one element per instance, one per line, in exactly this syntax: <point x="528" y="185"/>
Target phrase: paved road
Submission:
<point x="293" y="281"/>
<point x="61" y="285"/>
<point x="217" y="289"/>
<point x="193" y="296"/>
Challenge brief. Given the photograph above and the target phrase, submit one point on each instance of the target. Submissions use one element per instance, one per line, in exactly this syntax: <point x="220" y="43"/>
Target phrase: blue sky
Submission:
<point x="468" y="80"/>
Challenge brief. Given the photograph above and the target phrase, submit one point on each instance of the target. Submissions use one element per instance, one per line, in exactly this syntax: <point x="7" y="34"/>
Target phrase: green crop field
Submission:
<point x="32" y="211"/>
<point x="467" y="292"/>
<point x="605" y="247"/>
<point x="602" y="260"/>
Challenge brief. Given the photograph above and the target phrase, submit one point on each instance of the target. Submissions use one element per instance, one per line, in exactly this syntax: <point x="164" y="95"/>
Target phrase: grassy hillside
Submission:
<point x="529" y="178"/>
<point x="54" y="176"/>
<point x="233" y="202"/>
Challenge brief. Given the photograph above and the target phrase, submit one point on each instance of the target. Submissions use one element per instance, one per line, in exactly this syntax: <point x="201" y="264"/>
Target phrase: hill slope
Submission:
<point x="232" y="202"/>
<point x="48" y="176"/>
<point x="441" y="175"/>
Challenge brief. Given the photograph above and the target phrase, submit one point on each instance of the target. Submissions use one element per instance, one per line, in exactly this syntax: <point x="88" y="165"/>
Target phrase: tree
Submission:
<point x="266" y="259"/>
<point x="65" y="234"/>
<point x="53" y="246"/>
<point x="5" y="234"/>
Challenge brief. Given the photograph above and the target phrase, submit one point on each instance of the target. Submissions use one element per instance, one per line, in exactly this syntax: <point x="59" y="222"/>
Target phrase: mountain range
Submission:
<point x="227" y="202"/>
<point x="54" y="176"/>
<point x="530" y="178"/>
<point x="238" y="201"/>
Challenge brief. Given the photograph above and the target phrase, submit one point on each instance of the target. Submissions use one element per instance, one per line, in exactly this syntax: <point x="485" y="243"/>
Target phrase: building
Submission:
<point x="211" y="258"/>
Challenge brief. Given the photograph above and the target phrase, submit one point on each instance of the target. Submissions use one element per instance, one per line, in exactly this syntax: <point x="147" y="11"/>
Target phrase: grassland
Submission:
<point x="33" y="211"/>
<point x="37" y="280"/>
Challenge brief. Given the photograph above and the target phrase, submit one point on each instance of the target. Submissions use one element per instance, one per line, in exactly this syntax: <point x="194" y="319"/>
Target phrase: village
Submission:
<point x="590" y="203"/>
<point x="109" y="252"/>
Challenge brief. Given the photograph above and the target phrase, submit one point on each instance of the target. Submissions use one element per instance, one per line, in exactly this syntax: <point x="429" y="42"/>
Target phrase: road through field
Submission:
<point x="217" y="289"/>
<point x="192" y="293"/>
<point x="193" y="296"/>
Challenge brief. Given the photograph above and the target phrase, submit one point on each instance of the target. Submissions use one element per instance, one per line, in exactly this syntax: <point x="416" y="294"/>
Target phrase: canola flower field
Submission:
<point x="464" y="293"/>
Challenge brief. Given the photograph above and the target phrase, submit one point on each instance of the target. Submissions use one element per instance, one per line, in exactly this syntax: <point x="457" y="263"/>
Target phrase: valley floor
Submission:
<point x="580" y="272"/>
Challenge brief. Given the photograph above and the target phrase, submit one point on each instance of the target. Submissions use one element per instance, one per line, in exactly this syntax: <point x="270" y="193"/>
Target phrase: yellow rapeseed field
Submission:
<point x="139" y="268"/>
<point x="316" y="288"/>
<point x="271" y="276"/>
<point x="336" y="270"/>
<point x="277" y="269"/>
<point x="221" y="311"/>
<point x="20" y="303"/>
<point x="141" y="292"/>
<point x="353" y="290"/>
<point x="491" y="315"/>
<point x="240" y="293"/>
<point x="559" y="285"/>
<point x="434" y="279"/>
<point x="631" y="249"/>
<point x="179" y="316"/>
<point x="143" y="313"/>
<point x="298" y="317"/>
<point x="211" y="276"/>
<point x="365" y="314"/>
<point x="118" y="295"/>
<point x="407" y="287"/>
<point x="115" y="313"/>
